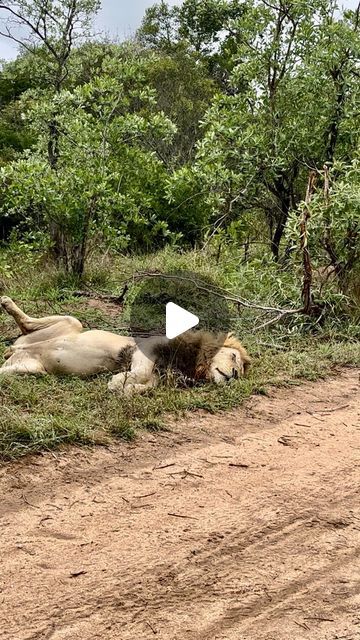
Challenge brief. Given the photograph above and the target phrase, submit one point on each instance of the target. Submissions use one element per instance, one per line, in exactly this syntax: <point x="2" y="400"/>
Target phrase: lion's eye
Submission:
<point x="233" y="356"/>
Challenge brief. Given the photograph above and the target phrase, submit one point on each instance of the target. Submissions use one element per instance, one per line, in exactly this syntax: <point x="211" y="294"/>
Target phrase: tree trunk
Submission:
<point x="284" y="198"/>
<point x="283" y="190"/>
<point x="56" y="231"/>
<point x="79" y="250"/>
<point x="307" y="268"/>
<point x="58" y="248"/>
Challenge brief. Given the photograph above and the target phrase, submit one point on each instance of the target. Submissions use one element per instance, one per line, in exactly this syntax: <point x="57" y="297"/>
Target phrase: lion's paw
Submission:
<point x="126" y="385"/>
<point x="117" y="384"/>
<point x="6" y="302"/>
<point x="8" y="352"/>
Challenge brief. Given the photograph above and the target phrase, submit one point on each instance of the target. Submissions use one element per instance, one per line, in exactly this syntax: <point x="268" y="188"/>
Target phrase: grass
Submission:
<point x="43" y="413"/>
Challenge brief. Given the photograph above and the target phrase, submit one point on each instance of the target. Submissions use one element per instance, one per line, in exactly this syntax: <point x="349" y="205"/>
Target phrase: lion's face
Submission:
<point x="226" y="365"/>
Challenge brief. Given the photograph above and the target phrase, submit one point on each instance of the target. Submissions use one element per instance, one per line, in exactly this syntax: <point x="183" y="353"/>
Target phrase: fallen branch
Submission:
<point x="277" y="318"/>
<point x="102" y="296"/>
<point x="151" y="627"/>
<point x="219" y="292"/>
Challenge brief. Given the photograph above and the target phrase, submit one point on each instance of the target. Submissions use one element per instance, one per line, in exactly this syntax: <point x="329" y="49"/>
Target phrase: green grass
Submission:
<point x="43" y="413"/>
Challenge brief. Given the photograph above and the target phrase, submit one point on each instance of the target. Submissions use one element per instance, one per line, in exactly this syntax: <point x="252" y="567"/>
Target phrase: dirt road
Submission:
<point x="242" y="526"/>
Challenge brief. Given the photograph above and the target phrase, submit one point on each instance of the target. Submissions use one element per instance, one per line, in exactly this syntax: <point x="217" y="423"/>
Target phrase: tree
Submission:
<point x="202" y="27"/>
<point x="184" y="91"/>
<point x="207" y="24"/>
<point x="56" y="26"/>
<point x="335" y="222"/>
<point x="260" y="141"/>
<point x="106" y="181"/>
<point x="160" y="27"/>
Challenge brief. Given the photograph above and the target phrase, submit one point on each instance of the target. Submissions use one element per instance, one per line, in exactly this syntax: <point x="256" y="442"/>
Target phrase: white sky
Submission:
<point x="118" y="19"/>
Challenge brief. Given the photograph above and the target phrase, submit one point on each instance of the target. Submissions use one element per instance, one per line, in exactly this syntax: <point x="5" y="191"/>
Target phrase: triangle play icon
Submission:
<point x="178" y="320"/>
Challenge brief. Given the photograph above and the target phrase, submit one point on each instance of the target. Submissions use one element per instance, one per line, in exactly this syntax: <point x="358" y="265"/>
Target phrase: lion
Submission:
<point x="59" y="345"/>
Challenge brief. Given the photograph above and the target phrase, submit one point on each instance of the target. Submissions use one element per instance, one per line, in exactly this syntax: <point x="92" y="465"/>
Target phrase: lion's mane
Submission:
<point x="193" y="352"/>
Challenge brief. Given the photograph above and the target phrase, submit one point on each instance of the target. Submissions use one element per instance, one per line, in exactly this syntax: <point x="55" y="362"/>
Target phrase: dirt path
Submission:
<point x="239" y="527"/>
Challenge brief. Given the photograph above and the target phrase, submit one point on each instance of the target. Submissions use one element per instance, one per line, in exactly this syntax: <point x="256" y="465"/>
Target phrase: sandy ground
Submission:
<point x="241" y="526"/>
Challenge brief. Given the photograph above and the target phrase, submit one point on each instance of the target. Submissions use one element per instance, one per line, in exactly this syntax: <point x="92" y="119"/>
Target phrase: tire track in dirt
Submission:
<point x="266" y="550"/>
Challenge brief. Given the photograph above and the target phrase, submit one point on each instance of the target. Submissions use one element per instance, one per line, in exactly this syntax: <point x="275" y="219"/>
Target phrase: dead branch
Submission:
<point x="216" y="291"/>
<point x="277" y="318"/>
<point x="100" y="296"/>
<point x="219" y="292"/>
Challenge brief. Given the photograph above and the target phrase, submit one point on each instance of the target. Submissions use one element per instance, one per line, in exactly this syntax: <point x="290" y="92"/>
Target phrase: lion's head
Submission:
<point x="196" y="355"/>
<point x="221" y="358"/>
<point x="205" y="356"/>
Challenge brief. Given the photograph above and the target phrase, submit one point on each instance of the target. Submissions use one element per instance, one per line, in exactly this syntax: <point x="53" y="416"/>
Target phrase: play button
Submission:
<point x="178" y="320"/>
<point x="172" y="302"/>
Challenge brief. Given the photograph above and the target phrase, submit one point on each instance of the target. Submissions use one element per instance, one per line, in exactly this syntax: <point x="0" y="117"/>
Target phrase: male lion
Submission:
<point x="58" y="345"/>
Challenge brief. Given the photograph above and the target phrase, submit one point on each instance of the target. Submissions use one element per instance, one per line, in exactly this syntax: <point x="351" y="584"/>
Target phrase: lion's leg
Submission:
<point x="22" y="365"/>
<point x="140" y="375"/>
<point x="29" y="325"/>
<point x="122" y="383"/>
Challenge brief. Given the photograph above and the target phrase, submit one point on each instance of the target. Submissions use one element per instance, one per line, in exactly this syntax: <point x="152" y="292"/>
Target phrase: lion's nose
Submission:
<point x="235" y="374"/>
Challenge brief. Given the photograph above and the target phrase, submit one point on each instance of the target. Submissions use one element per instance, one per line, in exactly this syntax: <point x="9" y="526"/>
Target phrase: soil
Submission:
<point x="240" y="526"/>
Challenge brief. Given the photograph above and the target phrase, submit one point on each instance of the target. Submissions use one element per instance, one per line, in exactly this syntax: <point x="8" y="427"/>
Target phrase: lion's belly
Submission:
<point x="85" y="354"/>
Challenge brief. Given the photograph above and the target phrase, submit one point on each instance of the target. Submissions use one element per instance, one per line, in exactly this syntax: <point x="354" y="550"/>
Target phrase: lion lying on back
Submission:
<point x="58" y="345"/>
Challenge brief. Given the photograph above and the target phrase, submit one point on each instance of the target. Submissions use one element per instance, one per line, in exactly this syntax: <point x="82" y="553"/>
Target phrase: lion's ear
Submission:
<point x="246" y="362"/>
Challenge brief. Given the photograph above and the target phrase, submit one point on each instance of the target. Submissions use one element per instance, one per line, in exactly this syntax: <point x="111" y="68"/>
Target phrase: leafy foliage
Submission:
<point x="107" y="135"/>
<point x="200" y="132"/>
<point x="335" y="226"/>
<point x="283" y="115"/>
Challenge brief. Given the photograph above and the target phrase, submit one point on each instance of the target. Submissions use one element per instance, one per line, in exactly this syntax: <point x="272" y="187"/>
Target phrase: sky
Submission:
<point x="118" y="19"/>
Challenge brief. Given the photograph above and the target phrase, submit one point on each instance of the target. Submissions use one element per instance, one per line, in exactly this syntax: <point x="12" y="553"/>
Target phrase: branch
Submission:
<point x="216" y="291"/>
<point x="33" y="27"/>
<point x="357" y="17"/>
<point x="201" y="286"/>
<point x="277" y="318"/>
<point x="288" y="51"/>
<point x="10" y="36"/>
<point x="305" y="215"/>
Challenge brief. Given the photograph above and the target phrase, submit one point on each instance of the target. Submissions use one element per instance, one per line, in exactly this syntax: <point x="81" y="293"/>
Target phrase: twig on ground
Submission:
<point x="76" y="574"/>
<point x="319" y="618"/>
<point x="302" y="624"/>
<point x="34" y="506"/>
<point x="343" y="406"/>
<point x="277" y="318"/>
<point x="164" y="466"/>
<point x="271" y="345"/>
<point x="141" y="506"/>
<point x="151" y="627"/>
<point x="242" y="466"/>
<point x="186" y="473"/>
<point x="179" y="515"/>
